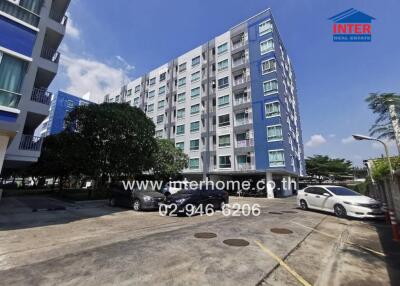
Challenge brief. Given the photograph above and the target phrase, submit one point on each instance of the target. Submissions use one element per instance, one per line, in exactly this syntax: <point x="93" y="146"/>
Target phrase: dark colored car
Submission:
<point x="145" y="199"/>
<point x="199" y="196"/>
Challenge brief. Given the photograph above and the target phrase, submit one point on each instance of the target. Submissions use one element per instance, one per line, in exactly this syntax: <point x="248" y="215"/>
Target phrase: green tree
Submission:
<point x="322" y="167"/>
<point x="387" y="107"/>
<point x="121" y="138"/>
<point x="168" y="160"/>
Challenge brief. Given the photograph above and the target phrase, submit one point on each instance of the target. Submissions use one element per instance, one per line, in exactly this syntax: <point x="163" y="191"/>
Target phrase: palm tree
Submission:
<point x="387" y="106"/>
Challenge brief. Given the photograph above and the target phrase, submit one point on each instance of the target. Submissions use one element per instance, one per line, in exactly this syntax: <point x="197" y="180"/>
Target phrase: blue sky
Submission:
<point x="106" y="44"/>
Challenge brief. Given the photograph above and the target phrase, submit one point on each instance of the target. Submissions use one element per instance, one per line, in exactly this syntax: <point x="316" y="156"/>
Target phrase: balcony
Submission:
<point x="240" y="80"/>
<point x="9" y="99"/>
<point x="243" y="121"/>
<point x="245" y="143"/>
<point x="242" y="100"/>
<point x="50" y="54"/>
<point x="41" y="95"/>
<point x="19" y="12"/>
<point x="30" y="143"/>
<point x="238" y="44"/>
<point x="245" y="166"/>
<point x="239" y="61"/>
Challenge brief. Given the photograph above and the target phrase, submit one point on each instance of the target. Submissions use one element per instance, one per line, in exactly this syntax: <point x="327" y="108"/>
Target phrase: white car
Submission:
<point x="339" y="200"/>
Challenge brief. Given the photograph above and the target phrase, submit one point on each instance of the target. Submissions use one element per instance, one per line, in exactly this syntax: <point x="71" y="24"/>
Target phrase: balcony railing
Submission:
<point x="59" y="18"/>
<point x="30" y="142"/>
<point x="241" y="100"/>
<point x="243" y="121"/>
<point x="9" y="99"/>
<point x="239" y="80"/>
<point x="50" y="54"/>
<point x="19" y="12"/>
<point x="41" y="95"/>
<point x="245" y="166"/>
<point x="239" y="61"/>
<point x="245" y="143"/>
<point x="238" y="44"/>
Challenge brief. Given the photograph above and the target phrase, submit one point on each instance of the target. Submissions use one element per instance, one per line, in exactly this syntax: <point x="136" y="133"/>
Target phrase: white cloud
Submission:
<point x="127" y="66"/>
<point x="315" y="141"/>
<point x="89" y="75"/>
<point x="379" y="146"/>
<point x="72" y="30"/>
<point x="348" y="140"/>
<point x="332" y="135"/>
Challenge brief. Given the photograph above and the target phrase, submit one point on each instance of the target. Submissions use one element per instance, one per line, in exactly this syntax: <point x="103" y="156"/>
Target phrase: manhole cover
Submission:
<point x="281" y="230"/>
<point x="275" y="213"/>
<point x="205" y="235"/>
<point x="236" y="242"/>
<point x="290" y="212"/>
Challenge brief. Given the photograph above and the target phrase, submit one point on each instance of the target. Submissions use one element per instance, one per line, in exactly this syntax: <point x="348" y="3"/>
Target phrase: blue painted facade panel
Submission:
<point x="8" y="116"/>
<point x="16" y="37"/>
<point x="260" y="122"/>
<point x="61" y="105"/>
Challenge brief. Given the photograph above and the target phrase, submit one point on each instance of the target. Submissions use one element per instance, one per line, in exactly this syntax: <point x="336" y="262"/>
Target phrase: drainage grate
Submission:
<point x="236" y="242"/>
<point x="205" y="235"/>
<point x="275" y="213"/>
<point x="281" y="230"/>
<point x="290" y="212"/>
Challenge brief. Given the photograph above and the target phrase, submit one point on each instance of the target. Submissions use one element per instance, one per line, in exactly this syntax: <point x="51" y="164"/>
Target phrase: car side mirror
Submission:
<point x="327" y="195"/>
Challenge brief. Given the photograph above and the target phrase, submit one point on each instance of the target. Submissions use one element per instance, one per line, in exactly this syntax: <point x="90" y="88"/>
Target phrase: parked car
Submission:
<point x="339" y="200"/>
<point x="171" y="188"/>
<point x="144" y="199"/>
<point x="198" y="196"/>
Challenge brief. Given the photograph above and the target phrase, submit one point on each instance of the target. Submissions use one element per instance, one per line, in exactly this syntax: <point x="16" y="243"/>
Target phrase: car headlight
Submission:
<point x="180" y="201"/>
<point x="147" y="198"/>
<point x="354" y="204"/>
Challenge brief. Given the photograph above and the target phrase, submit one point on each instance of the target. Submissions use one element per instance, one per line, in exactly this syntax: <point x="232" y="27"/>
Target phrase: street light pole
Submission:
<point x="396" y="235"/>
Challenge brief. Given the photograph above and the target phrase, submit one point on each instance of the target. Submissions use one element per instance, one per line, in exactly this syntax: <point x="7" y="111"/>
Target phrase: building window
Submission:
<point x="274" y="133"/>
<point x="225" y="162"/>
<point x="268" y="66"/>
<point x="223" y="120"/>
<point x="161" y="104"/>
<point x="160" y="118"/>
<point x="182" y="67"/>
<point x="136" y="101"/>
<point x="243" y="159"/>
<point x="180" y="145"/>
<point x="151" y="94"/>
<point x="223" y="65"/>
<point x="270" y="86"/>
<point x="195" y="126"/>
<point x="276" y="158"/>
<point x="265" y="27"/>
<point x="194" y="163"/>
<point x="162" y="76"/>
<point x="161" y="90"/>
<point x="129" y="93"/>
<point x="222" y="48"/>
<point x="223" y="100"/>
<point x="272" y="109"/>
<point x="195" y="76"/>
<point x="181" y="97"/>
<point x="182" y="82"/>
<point x="180" y="113"/>
<point x="117" y="98"/>
<point x="159" y="133"/>
<point x="150" y="107"/>
<point x="194" y="145"/>
<point x="195" y="92"/>
<point x="137" y="88"/>
<point x="152" y="81"/>
<point x="195" y="61"/>
<point x="223" y="82"/>
<point x="267" y="46"/>
<point x="224" y="140"/>
<point x="195" y="109"/>
<point x="180" y="129"/>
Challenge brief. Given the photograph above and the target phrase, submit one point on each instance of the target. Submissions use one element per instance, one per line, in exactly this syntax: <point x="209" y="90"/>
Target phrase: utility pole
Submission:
<point x="395" y="123"/>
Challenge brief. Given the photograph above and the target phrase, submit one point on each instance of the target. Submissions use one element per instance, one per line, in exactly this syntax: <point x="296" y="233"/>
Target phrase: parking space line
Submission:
<point x="346" y="242"/>
<point x="283" y="264"/>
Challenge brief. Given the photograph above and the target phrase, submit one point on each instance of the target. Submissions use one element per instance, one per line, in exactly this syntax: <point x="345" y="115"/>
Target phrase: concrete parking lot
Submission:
<point x="44" y="241"/>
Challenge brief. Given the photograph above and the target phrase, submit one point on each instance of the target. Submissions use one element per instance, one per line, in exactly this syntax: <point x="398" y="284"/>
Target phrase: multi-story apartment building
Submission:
<point x="30" y="34"/>
<point x="230" y="104"/>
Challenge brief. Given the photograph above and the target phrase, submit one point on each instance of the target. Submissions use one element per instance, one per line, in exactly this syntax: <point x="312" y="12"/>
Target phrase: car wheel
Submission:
<point x="112" y="202"/>
<point x="303" y="205"/>
<point x="137" y="205"/>
<point x="340" y="211"/>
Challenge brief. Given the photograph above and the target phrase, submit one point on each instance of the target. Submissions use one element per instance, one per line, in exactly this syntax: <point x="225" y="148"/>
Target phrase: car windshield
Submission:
<point x="341" y="191"/>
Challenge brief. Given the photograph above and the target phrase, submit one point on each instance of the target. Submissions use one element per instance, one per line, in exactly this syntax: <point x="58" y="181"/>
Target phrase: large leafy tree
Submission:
<point x="387" y="107"/>
<point x="322" y="167"/>
<point x="121" y="138"/>
<point x="168" y="160"/>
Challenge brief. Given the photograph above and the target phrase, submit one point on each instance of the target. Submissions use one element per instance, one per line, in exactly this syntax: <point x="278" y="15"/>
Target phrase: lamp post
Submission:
<point x="396" y="235"/>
